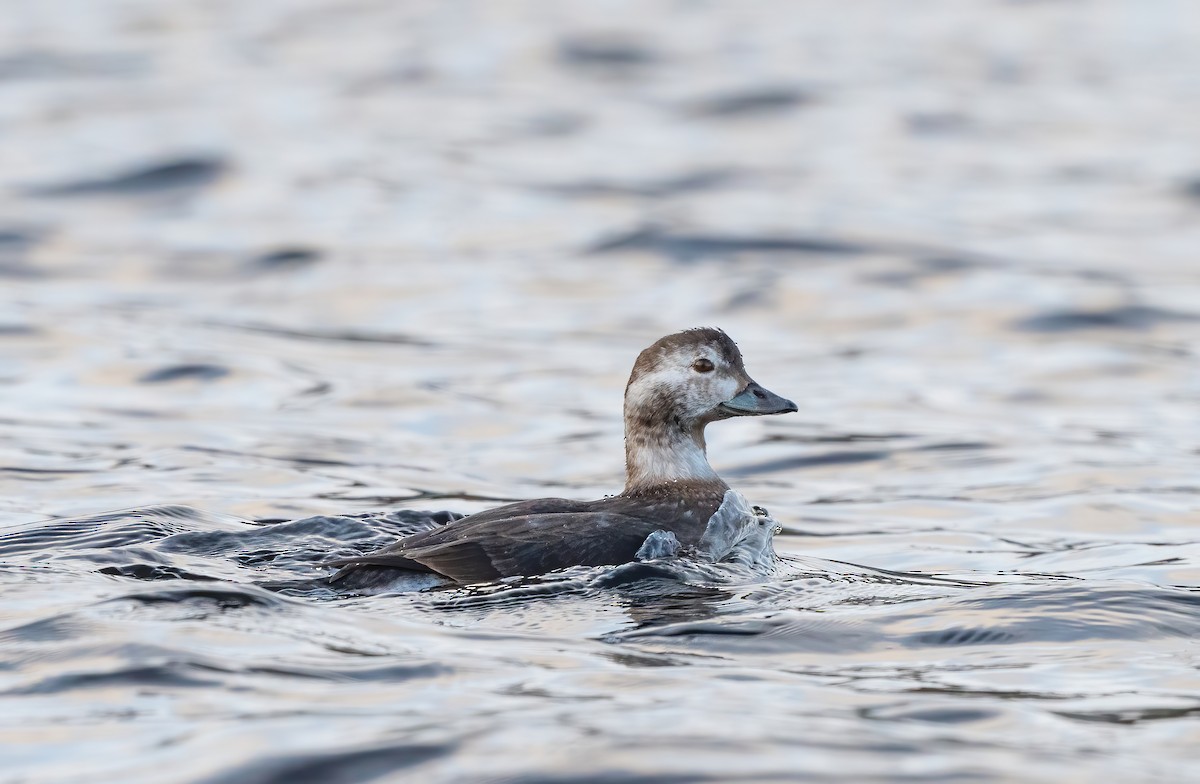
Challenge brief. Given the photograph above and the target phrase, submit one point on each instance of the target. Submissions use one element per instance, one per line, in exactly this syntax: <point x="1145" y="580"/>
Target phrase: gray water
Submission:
<point x="273" y="273"/>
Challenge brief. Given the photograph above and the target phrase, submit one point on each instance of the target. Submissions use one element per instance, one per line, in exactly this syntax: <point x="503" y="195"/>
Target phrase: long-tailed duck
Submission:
<point x="678" y="386"/>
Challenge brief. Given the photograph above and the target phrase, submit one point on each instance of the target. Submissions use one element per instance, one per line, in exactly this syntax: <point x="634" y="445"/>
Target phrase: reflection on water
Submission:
<point x="278" y="277"/>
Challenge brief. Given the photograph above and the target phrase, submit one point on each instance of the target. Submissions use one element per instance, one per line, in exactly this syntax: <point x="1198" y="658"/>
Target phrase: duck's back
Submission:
<point x="535" y="537"/>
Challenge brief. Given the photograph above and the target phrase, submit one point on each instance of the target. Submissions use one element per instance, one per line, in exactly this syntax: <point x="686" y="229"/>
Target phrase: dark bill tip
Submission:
<point x="756" y="401"/>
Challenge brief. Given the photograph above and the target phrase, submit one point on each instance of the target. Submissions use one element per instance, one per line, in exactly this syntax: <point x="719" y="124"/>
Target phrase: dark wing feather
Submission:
<point x="462" y="560"/>
<point x="539" y="536"/>
<point x="530" y="544"/>
<point x="379" y="558"/>
<point x="394" y="555"/>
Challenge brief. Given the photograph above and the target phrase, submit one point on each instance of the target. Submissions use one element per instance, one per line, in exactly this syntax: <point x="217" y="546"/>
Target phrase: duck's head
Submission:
<point x="679" y="385"/>
<point x="692" y="378"/>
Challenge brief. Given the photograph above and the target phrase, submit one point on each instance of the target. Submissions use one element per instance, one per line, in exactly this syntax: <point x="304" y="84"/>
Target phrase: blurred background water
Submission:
<point x="320" y="261"/>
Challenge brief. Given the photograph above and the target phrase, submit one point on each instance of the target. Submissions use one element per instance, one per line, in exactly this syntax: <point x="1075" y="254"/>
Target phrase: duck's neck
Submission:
<point x="658" y="453"/>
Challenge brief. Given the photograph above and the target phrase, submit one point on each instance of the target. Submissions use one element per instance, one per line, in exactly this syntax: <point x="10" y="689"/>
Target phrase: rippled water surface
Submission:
<point x="273" y="273"/>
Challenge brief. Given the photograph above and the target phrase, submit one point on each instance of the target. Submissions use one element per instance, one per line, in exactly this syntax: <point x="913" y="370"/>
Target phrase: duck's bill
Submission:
<point x="756" y="401"/>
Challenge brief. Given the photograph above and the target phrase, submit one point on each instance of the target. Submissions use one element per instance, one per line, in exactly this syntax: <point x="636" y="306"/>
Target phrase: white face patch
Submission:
<point x="689" y="393"/>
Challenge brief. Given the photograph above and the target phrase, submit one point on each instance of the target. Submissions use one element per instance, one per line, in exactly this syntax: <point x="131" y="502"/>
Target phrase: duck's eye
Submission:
<point x="703" y="365"/>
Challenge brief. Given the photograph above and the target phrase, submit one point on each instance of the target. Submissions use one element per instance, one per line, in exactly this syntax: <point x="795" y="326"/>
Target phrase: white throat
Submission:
<point x="662" y="456"/>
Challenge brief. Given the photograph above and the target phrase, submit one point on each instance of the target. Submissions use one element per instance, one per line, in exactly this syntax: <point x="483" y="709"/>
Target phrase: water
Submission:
<point x="273" y="272"/>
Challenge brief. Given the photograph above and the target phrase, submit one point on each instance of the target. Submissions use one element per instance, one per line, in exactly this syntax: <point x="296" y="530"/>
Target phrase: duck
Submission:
<point x="679" y="385"/>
